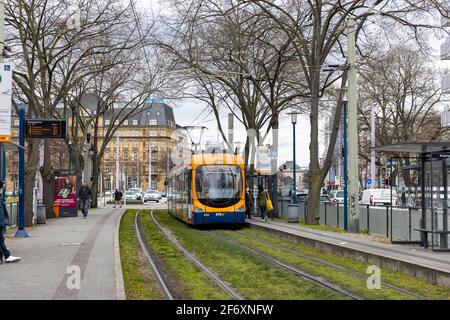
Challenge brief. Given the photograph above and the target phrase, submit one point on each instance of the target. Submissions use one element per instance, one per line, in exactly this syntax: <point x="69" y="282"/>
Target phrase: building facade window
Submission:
<point x="135" y="122"/>
<point x="107" y="122"/>
<point x="153" y="122"/>
<point x="125" y="143"/>
<point x="135" y="155"/>
<point x="153" y="133"/>
<point x="135" y="144"/>
<point x="125" y="156"/>
<point x="116" y="122"/>
<point x="107" y="156"/>
<point x="125" y="122"/>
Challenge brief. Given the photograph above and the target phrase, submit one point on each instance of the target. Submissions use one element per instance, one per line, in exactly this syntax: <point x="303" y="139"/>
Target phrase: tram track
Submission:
<point x="162" y="282"/>
<point x="211" y="274"/>
<point x="332" y="265"/>
<point x="312" y="278"/>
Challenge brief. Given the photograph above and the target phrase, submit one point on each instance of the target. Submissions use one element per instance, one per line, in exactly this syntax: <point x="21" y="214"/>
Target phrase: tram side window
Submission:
<point x="188" y="180"/>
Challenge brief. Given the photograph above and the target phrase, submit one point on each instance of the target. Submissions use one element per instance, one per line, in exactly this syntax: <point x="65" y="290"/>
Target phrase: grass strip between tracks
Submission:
<point x="251" y="275"/>
<point x="140" y="284"/>
<point x="398" y="279"/>
<point x="192" y="282"/>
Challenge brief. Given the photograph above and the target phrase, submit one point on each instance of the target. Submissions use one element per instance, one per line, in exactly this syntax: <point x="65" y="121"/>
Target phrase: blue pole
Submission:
<point x="345" y="169"/>
<point x="3" y="172"/>
<point x="21" y="233"/>
<point x="294" y="191"/>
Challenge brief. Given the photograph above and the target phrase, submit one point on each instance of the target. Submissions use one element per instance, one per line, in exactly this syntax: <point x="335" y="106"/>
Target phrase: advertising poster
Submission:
<point x="263" y="160"/>
<point x="66" y="195"/>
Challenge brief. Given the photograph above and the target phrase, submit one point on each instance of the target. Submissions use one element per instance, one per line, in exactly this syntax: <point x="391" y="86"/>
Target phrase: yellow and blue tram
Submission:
<point x="209" y="189"/>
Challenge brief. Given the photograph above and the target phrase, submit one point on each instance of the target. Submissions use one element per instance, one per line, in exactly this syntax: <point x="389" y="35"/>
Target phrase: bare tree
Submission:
<point x="404" y="90"/>
<point x="317" y="30"/>
<point x="51" y="56"/>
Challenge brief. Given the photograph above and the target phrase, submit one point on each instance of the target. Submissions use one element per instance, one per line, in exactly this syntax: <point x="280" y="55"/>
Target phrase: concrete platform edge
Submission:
<point x="120" y="287"/>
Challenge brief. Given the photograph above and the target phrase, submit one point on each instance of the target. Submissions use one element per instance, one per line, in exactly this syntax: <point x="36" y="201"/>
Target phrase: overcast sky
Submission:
<point x="189" y="110"/>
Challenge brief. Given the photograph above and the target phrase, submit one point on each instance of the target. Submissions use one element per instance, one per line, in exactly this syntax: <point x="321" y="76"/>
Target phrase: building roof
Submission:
<point x="159" y="111"/>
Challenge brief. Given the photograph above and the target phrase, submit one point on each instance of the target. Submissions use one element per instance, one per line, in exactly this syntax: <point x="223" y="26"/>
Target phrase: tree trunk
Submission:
<point x="47" y="180"/>
<point x="30" y="179"/>
<point x="94" y="183"/>
<point x="312" y="211"/>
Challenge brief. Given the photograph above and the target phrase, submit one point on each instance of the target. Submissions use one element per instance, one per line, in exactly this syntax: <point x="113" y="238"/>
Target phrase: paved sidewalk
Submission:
<point x="413" y="254"/>
<point x="88" y="244"/>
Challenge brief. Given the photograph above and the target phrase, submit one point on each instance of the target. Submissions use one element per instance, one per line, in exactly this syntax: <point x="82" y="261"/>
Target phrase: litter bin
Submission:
<point x="40" y="213"/>
<point x="293" y="213"/>
<point x="56" y="210"/>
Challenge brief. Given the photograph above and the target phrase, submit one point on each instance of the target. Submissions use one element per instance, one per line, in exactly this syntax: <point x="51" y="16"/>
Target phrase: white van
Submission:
<point x="377" y="197"/>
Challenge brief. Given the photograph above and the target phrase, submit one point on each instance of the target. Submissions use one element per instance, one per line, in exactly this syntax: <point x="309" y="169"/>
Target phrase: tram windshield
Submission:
<point x="218" y="186"/>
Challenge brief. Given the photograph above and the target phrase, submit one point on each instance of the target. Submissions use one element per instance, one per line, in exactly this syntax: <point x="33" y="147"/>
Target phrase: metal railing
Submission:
<point x="397" y="223"/>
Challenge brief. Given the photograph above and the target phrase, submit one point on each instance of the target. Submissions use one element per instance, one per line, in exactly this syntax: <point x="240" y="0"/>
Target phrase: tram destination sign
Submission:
<point x="45" y="128"/>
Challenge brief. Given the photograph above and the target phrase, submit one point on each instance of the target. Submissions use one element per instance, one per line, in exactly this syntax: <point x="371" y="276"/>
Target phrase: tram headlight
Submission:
<point x="198" y="209"/>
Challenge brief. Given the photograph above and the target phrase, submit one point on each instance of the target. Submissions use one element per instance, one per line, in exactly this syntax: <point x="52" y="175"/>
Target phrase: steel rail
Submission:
<point x="332" y="265"/>
<point x="161" y="280"/>
<point x="223" y="285"/>
<point x="303" y="274"/>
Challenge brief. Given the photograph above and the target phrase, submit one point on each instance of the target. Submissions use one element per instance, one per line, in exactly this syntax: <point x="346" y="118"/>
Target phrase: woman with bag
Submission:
<point x="264" y="203"/>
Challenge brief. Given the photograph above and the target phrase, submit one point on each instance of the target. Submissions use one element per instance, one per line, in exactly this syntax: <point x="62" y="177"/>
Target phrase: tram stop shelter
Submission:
<point x="420" y="172"/>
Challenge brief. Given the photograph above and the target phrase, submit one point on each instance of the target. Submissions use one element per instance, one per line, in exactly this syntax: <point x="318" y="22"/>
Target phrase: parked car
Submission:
<point x="337" y="196"/>
<point x="131" y="195"/>
<point x="376" y="197"/>
<point x="163" y="194"/>
<point x="151" y="195"/>
<point x="302" y="197"/>
<point x="139" y="193"/>
<point x="325" y="199"/>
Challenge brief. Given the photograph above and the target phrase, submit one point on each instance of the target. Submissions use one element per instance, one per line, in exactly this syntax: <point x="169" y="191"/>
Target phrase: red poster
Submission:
<point x="66" y="192"/>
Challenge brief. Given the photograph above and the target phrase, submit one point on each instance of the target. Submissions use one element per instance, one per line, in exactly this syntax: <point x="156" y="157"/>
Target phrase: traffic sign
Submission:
<point x="45" y="128"/>
<point x="369" y="182"/>
<point x="5" y="102"/>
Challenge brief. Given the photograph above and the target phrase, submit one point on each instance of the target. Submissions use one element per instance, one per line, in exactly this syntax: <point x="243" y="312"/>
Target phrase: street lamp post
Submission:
<point x="294" y="173"/>
<point x="293" y="212"/>
<point x="344" y="105"/>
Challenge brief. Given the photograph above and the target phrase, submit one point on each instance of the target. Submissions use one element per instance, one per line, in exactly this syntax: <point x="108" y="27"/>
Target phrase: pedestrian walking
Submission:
<point x="4" y="221"/>
<point x="85" y="196"/>
<point x="118" y="198"/>
<point x="403" y="198"/>
<point x="262" y="202"/>
<point x="412" y="200"/>
<point x="248" y="204"/>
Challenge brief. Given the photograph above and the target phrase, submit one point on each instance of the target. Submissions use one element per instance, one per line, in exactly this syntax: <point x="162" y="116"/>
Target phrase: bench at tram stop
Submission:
<point x="424" y="234"/>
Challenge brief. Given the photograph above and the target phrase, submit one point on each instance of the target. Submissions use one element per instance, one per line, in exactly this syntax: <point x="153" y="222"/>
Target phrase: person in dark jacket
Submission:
<point x="248" y="204"/>
<point x="117" y="198"/>
<point x="262" y="202"/>
<point x="4" y="221"/>
<point x="85" y="196"/>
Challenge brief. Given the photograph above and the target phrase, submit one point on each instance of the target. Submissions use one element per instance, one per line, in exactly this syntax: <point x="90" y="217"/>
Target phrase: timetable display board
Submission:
<point x="43" y="128"/>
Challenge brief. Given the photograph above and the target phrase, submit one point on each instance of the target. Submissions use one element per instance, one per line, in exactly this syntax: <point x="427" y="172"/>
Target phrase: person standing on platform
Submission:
<point x="248" y="204"/>
<point x="262" y="202"/>
<point x="4" y="221"/>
